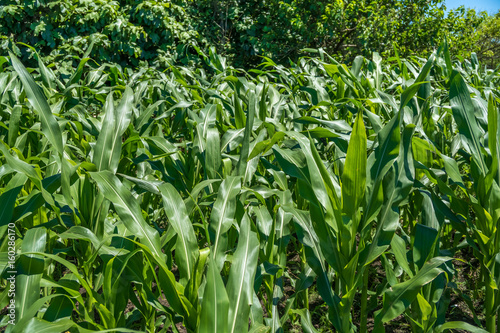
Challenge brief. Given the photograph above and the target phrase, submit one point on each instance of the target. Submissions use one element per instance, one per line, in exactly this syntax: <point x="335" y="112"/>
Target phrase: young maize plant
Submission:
<point x="313" y="198"/>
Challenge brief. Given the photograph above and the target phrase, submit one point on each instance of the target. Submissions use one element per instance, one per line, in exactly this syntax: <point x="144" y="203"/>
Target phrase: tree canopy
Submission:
<point x="131" y="32"/>
<point x="488" y="40"/>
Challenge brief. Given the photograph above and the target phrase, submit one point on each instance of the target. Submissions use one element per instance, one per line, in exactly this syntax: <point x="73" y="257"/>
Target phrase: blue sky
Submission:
<point x="491" y="6"/>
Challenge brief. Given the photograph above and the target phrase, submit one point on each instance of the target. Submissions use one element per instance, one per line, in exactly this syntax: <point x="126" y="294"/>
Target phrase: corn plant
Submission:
<point x="179" y="200"/>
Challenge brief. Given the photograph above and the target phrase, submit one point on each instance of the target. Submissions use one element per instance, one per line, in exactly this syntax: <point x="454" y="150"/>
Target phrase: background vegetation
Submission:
<point x="131" y="33"/>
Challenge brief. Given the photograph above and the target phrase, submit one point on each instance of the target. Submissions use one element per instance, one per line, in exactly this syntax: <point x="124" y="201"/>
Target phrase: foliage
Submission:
<point x="123" y="32"/>
<point x="488" y="40"/>
<point x="463" y="25"/>
<point x="133" y="33"/>
<point x="280" y="29"/>
<point x="146" y="200"/>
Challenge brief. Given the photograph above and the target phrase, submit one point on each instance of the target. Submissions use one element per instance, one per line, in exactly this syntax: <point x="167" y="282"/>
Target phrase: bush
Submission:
<point x="124" y="32"/>
<point x="133" y="33"/>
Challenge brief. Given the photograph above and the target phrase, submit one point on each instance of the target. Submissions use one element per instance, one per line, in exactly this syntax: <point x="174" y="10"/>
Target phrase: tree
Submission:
<point x="343" y="28"/>
<point x="488" y="41"/>
<point x="461" y="28"/>
<point x="133" y="32"/>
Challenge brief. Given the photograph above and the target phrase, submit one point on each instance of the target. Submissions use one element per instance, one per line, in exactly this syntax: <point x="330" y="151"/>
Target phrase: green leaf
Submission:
<point x="264" y="146"/>
<point x="193" y="287"/>
<point x="29" y="270"/>
<point x="463" y="113"/>
<point x="20" y="166"/>
<point x="305" y="320"/>
<point x="35" y="95"/>
<point x="212" y="153"/>
<point x="14" y="124"/>
<point x="8" y="198"/>
<point x="36" y="306"/>
<point x="109" y="143"/>
<point x="396" y="185"/>
<point x="43" y="326"/>
<point x="241" y="277"/>
<point x="398" y="246"/>
<point x="459" y="325"/>
<point x="186" y="246"/>
<point x="424" y="244"/>
<point x="222" y="217"/>
<point x="241" y="167"/>
<point x="403" y="294"/>
<point x="380" y="162"/>
<point x="75" y="78"/>
<point x="493" y="137"/>
<point x="128" y="209"/>
<point x="354" y="176"/>
<point x="104" y="140"/>
<point x="215" y="304"/>
<point x="314" y="255"/>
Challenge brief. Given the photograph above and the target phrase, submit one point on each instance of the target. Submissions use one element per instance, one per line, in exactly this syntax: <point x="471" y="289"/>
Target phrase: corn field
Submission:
<point x="314" y="198"/>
